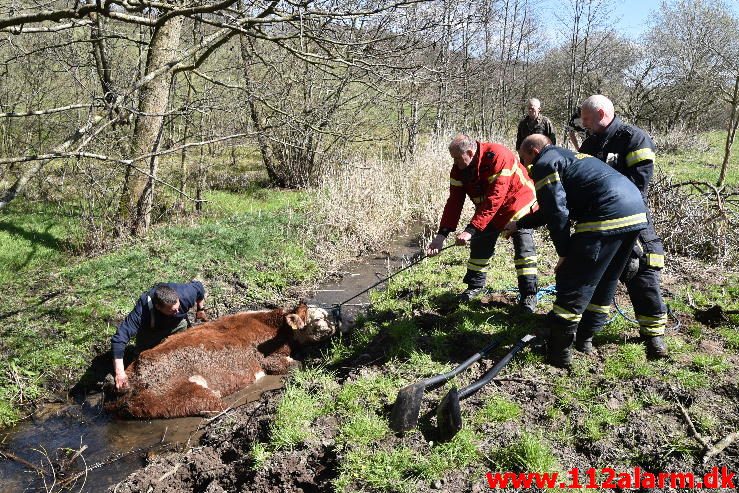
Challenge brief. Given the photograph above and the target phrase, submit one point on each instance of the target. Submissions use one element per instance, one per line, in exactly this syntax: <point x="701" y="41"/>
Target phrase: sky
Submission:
<point x="632" y="16"/>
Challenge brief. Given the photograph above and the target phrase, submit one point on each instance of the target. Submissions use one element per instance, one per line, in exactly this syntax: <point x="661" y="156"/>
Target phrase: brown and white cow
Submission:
<point x="189" y="372"/>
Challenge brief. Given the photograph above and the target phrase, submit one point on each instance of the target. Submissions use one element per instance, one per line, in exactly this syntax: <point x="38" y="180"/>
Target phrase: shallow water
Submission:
<point x="116" y="448"/>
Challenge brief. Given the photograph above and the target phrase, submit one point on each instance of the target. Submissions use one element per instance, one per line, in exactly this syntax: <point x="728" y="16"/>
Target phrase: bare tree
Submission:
<point x="332" y="41"/>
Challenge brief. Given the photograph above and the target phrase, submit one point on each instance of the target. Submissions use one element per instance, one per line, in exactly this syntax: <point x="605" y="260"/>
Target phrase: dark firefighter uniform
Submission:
<point x="149" y="325"/>
<point x="501" y="190"/>
<point x="541" y="125"/>
<point x="608" y="212"/>
<point x="630" y="151"/>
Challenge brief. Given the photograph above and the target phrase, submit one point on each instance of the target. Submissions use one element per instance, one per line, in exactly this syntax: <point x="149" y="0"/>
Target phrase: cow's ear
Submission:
<point x="294" y="321"/>
<point x="302" y="311"/>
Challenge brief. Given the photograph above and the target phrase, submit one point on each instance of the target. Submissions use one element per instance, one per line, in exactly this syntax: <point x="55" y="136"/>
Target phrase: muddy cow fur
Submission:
<point x="189" y="372"/>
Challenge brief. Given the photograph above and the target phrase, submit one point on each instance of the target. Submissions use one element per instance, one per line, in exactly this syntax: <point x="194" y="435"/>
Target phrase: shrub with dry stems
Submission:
<point x="360" y="204"/>
<point x="696" y="219"/>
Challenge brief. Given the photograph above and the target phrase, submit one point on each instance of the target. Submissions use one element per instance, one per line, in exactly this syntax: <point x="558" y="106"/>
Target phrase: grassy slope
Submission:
<point x="552" y="421"/>
<point x="703" y="164"/>
<point x="64" y="308"/>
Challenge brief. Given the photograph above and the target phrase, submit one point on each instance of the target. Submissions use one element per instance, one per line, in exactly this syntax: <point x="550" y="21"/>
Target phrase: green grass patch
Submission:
<point x="498" y="409"/>
<point x="260" y="455"/>
<point x="370" y="392"/>
<point x="529" y="453"/>
<point x="381" y="470"/>
<point x="293" y="419"/>
<point x="35" y="236"/>
<point x="600" y="419"/>
<point x="630" y="361"/>
<point x="731" y="336"/>
<point x="690" y="379"/>
<point x="458" y="453"/>
<point x="363" y="428"/>
<point x="710" y="363"/>
<point x="702" y="164"/>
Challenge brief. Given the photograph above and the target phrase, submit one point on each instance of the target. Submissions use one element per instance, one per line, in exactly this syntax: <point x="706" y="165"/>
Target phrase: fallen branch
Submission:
<point x="706" y="444"/>
<point x="22" y="461"/>
<point x="719" y="446"/>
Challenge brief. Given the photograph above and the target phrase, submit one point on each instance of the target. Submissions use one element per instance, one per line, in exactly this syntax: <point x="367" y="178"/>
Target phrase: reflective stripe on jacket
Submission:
<point x="584" y="190"/>
<point x="497" y="184"/>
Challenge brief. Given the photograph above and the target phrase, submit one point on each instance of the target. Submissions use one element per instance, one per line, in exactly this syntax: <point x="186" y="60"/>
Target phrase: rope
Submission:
<point x="415" y="262"/>
<point x="670" y="313"/>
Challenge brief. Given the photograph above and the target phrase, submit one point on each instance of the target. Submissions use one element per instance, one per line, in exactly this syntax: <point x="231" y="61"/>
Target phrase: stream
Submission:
<point x="113" y="448"/>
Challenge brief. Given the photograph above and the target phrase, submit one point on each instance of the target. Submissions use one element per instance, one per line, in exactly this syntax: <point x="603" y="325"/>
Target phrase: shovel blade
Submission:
<point x="449" y="416"/>
<point x="407" y="407"/>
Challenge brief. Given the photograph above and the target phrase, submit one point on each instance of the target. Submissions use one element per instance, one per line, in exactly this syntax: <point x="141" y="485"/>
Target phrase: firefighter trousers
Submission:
<point x="587" y="280"/>
<point x="646" y="298"/>
<point x="482" y="247"/>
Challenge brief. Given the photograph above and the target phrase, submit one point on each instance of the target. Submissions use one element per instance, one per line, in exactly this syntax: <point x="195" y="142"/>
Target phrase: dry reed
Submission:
<point x="362" y="204"/>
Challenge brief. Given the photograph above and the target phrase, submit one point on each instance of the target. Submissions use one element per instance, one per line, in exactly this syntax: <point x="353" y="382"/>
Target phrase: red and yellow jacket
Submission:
<point x="497" y="184"/>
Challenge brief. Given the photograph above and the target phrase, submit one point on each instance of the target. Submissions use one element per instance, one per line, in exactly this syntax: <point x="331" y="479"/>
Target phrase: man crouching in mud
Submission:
<point x="159" y="312"/>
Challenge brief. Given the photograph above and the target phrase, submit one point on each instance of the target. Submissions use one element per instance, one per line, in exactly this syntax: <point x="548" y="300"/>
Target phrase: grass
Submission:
<point x="702" y="163"/>
<point x="498" y="409"/>
<point x="65" y="307"/>
<point x="529" y="453"/>
<point x="629" y="362"/>
<point x="595" y="403"/>
<point x="33" y="237"/>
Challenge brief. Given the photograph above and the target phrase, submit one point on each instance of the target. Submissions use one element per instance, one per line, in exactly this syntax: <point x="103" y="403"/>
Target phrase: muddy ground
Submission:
<point x="657" y="437"/>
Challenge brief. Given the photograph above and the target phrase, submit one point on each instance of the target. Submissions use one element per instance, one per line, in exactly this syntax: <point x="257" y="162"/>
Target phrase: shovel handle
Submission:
<point x="493" y="372"/>
<point x="465" y="364"/>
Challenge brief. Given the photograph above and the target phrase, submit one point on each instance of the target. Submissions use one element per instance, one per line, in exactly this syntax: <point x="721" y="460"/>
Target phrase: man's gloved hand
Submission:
<point x="435" y="246"/>
<point x="201" y="316"/>
<point x="463" y="238"/>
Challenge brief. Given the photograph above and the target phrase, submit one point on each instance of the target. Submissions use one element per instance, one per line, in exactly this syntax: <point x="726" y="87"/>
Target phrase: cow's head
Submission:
<point x="311" y="324"/>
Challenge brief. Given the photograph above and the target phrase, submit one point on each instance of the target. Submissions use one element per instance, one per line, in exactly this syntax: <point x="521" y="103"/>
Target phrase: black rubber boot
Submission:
<point x="584" y="342"/>
<point x="528" y="303"/>
<point x="469" y="294"/>
<point x="656" y="347"/>
<point x="560" y="349"/>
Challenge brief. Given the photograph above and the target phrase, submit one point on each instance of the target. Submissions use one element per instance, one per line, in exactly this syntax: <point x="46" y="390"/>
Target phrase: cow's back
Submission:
<point x="190" y="371"/>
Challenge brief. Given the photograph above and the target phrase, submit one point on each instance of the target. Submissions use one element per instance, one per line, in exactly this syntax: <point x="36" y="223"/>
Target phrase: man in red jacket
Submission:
<point x="502" y="191"/>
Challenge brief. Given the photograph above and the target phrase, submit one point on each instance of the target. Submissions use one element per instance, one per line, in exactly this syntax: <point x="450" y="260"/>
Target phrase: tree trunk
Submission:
<point x="731" y="132"/>
<point x="256" y="118"/>
<point x="138" y="193"/>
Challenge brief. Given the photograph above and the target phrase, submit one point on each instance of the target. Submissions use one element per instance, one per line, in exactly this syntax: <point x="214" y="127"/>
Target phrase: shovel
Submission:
<point x="407" y="405"/>
<point x="449" y="415"/>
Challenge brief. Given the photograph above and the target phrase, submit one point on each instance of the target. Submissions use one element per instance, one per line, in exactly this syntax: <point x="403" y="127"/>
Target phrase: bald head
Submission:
<point x="462" y="149"/>
<point x="597" y="113"/>
<point x="531" y="147"/>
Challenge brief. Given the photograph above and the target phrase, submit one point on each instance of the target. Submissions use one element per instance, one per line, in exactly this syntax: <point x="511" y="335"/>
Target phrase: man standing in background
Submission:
<point x="630" y="151"/>
<point x="534" y="123"/>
